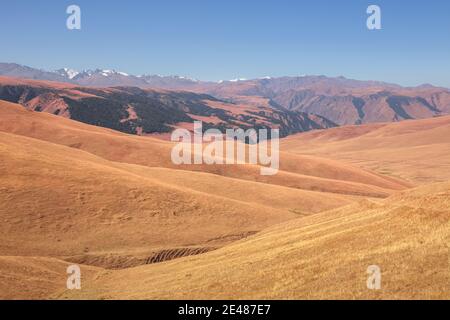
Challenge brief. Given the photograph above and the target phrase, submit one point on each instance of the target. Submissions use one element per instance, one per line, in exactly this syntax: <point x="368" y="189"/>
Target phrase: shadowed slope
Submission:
<point x="150" y="111"/>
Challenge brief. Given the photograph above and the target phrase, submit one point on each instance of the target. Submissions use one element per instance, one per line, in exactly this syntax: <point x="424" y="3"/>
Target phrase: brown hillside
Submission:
<point x="323" y="256"/>
<point x="300" y="172"/>
<point x="415" y="150"/>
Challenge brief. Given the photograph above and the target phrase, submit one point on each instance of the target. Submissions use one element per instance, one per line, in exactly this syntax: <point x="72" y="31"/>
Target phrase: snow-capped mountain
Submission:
<point x="67" y="73"/>
<point x="96" y="78"/>
<point x="340" y="100"/>
<point x="107" y="77"/>
<point x="102" y="72"/>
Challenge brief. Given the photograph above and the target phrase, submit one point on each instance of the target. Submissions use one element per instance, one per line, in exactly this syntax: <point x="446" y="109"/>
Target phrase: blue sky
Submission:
<point x="214" y="40"/>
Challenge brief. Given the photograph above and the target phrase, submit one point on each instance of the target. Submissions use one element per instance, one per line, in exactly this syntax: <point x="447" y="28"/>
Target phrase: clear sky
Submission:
<point x="215" y="39"/>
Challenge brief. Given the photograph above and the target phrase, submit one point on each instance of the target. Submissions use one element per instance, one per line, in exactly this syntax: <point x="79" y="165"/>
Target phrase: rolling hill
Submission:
<point x="324" y="256"/>
<point x="384" y="147"/>
<point x="60" y="201"/>
<point x="141" y="227"/>
<point x="93" y="195"/>
<point x="299" y="172"/>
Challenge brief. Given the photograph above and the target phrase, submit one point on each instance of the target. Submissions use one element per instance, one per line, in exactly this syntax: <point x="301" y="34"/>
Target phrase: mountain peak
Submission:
<point x="67" y="72"/>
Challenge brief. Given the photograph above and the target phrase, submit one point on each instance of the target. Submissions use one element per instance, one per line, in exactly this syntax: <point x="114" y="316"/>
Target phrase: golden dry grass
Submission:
<point x="62" y="201"/>
<point x="35" y="277"/>
<point x="324" y="256"/>
<point x="73" y="193"/>
<point x="415" y="150"/>
<point x="300" y="172"/>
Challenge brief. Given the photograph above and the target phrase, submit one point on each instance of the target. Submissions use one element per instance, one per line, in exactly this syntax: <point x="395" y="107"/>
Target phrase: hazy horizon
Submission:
<point x="224" y="80"/>
<point x="215" y="41"/>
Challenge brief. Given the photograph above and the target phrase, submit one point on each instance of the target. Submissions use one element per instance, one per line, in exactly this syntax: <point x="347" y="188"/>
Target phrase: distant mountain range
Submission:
<point x="148" y="111"/>
<point x="339" y="101"/>
<point x="95" y="78"/>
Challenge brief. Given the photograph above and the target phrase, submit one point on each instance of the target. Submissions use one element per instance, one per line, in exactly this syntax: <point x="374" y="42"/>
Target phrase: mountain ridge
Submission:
<point x="340" y="100"/>
<point x="78" y="77"/>
<point x="152" y="111"/>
